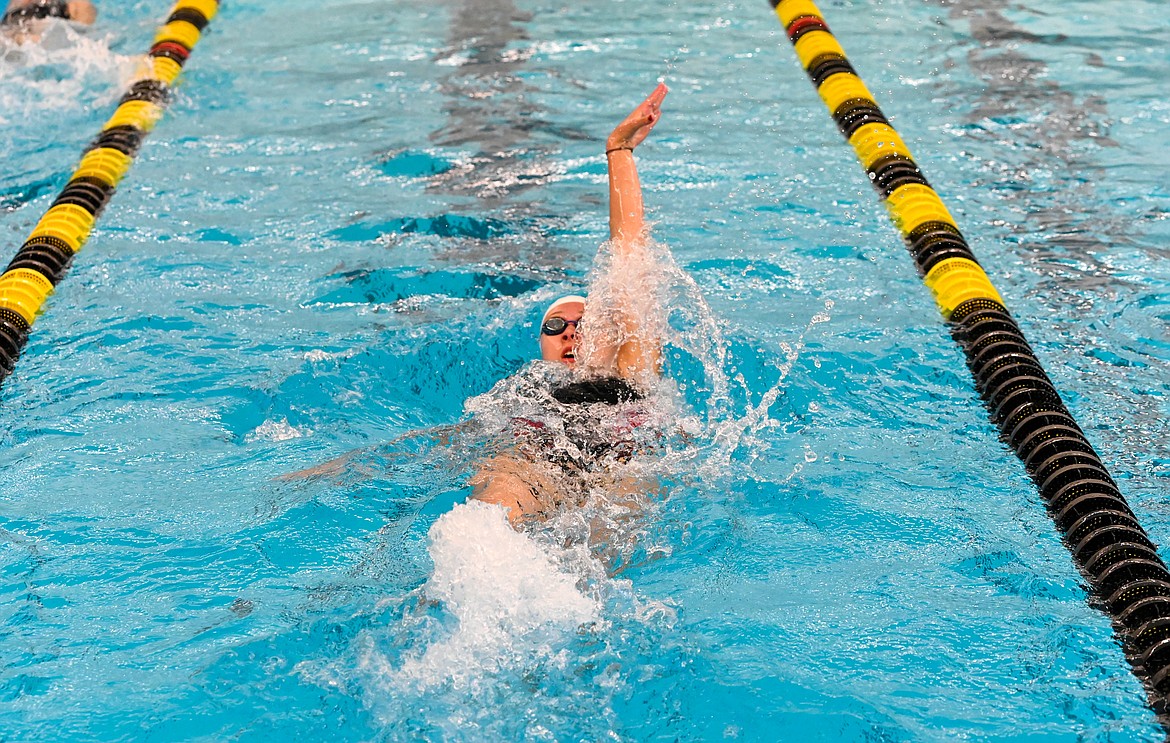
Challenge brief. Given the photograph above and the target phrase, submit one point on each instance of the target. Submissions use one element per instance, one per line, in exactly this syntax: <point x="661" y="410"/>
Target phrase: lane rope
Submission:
<point x="42" y="260"/>
<point x="1108" y="544"/>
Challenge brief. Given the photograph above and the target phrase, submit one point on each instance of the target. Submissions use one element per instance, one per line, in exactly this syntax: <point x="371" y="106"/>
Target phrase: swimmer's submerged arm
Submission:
<point x="368" y="462"/>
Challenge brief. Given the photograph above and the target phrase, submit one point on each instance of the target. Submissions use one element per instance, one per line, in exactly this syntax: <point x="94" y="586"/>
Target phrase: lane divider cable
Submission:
<point x="1108" y="544"/>
<point x="42" y="260"/>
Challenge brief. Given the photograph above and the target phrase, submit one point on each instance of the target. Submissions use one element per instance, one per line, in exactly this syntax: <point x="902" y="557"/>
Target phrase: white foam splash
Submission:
<point x="512" y="605"/>
<point x="666" y="305"/>
<point x="66" y="69"/>
<point x="276" y="431"/>
<point x="319" y="356"/>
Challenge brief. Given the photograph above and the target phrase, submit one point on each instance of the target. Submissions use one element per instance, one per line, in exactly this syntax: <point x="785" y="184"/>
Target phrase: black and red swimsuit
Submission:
<point x="595" y="422"/>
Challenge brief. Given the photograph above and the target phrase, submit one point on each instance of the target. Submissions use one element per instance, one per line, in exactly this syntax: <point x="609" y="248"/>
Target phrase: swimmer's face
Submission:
<point x="563" y="346"/>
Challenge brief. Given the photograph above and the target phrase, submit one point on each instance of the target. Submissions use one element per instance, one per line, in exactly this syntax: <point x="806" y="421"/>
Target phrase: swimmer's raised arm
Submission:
<point x="626" y="218"/>
<point x="637" y="355"/>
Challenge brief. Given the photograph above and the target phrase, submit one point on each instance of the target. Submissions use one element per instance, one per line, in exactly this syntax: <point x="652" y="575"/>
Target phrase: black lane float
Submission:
<point x="1110" y="547"/>
<point x="42" y="260"/>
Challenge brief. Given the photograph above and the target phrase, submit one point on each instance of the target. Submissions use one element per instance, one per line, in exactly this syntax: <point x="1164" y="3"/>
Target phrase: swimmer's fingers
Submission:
<point x="636" y="127"/>
<point x="642" y="119"/>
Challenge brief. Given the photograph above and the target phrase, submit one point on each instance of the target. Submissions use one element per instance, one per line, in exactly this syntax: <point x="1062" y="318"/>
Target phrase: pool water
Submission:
<point x="347" y="224"/>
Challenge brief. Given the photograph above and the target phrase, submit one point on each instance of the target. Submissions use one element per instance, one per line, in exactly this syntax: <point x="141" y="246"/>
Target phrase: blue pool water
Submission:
<point x="346" y="225"/>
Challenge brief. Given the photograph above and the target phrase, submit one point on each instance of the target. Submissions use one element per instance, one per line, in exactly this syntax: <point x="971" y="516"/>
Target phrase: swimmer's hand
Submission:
<point x="82" y="11"/>
<point x="635" y="127"/>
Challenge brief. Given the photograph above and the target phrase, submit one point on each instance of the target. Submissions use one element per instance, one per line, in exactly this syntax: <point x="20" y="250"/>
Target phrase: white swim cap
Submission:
<point x="570" y="299"/>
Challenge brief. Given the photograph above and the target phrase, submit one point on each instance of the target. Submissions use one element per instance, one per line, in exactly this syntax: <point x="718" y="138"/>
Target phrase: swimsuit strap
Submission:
<point x="36" y="11"/>
<point x="610" y="390"/>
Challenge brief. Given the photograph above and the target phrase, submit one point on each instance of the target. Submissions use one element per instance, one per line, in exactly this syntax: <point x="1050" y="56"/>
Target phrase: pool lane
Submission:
<point x="1108" y="543"/>
<point x="42" y="260"/>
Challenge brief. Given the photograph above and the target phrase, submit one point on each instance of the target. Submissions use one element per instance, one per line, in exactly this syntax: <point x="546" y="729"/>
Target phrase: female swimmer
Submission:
<point x="612" y="354"/>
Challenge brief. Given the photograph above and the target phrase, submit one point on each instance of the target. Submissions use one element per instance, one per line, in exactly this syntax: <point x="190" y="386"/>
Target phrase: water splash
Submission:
<point x="491" y="648"/>
<point x="510" y="602"/>
<point x="510" y="621"/>
<point x="66" y="69"/>
<point x="643" y="296"/>
<point x="735" y="431"/>
<point x="276" y="430"/>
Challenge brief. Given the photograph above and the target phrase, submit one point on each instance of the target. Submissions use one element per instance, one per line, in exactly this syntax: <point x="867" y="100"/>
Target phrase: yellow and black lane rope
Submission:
<point x="1110" y="547"/>
<point x="43" y="258"/>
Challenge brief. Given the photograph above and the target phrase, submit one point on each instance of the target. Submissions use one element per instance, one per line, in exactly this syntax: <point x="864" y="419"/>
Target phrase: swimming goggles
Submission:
<point x="36" y="11"/>
<point x="557" y="325"/>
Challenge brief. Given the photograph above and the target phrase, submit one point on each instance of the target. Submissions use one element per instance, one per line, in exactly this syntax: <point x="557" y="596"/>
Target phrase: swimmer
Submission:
<point x="580" y="415"/>
<point x="24" y="20"/>
<point x="615" y="366"/>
